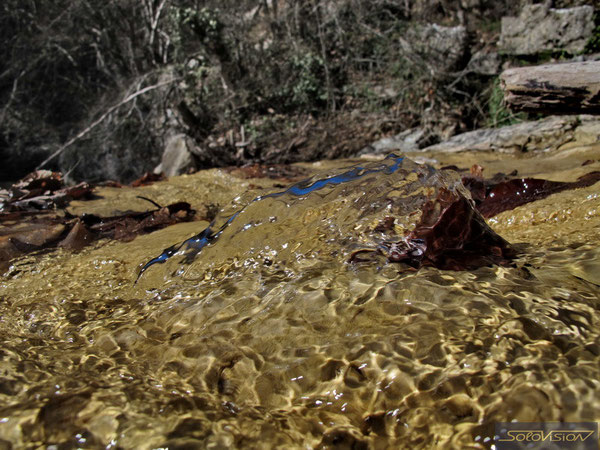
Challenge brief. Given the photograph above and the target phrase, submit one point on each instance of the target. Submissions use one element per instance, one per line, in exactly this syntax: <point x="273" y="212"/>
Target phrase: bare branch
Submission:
<point x="100" y="119"/>
<point x="12" y="97"/>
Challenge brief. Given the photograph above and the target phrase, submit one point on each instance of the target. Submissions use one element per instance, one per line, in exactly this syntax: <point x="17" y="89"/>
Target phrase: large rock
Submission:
<point x="588" y="130"/>
<point x="177" y="158"/>
<point x="552" y="132"/>
<point x="407" y="141"/>
<point x="570" y="88"/>
<point x="540" y="28"/>
<point x="441" y="48"/>
<point x="484" y="63"/>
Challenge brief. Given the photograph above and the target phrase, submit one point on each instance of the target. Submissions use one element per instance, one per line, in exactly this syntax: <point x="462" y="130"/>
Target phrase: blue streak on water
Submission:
<point x="304" y="187"/>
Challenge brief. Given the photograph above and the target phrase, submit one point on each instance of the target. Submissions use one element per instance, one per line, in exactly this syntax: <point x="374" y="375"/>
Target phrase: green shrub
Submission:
<point x="499" y="114"/>
<point x="593" y="45"/>
<point x="308" y="90"/>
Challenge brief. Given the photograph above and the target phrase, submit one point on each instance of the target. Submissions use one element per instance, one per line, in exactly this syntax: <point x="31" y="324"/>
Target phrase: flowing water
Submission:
<point x="258" y="333"/>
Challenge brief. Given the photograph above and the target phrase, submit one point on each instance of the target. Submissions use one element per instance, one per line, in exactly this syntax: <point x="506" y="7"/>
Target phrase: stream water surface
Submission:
<point x="263" y="335"/>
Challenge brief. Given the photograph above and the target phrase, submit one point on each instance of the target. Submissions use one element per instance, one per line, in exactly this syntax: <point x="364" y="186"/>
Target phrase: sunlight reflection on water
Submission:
<point x="306" y="351"/>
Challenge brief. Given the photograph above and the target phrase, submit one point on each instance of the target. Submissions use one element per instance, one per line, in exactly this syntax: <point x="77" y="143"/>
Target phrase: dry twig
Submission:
<point x="100" y="119"/>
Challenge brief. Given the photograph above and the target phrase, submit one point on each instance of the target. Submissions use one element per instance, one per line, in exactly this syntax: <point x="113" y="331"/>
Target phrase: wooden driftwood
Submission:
<point x="569" y="88"/>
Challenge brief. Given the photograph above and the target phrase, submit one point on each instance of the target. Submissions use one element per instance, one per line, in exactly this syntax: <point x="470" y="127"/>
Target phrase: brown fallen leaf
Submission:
<point x="127" y="226"/>
<point x="78" y="237"/>
<point x="39" y="182"/>
<point x="452" y="235"/>
<point x="40" y="202"/>
<point x="28" y="223"/>
<point x="148" y="178"/>
<point x="34" y="234"/>
<point x="493" y="198"/>
<point x="42" y="190"/>
<point x="81" y="190"/>
<point x="19" y="239"/>
<point x="24" y="231"/>
<point x="477" y="170"/>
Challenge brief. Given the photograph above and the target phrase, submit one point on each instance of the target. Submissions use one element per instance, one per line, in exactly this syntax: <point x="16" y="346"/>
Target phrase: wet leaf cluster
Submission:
<point x="33" y="216"/>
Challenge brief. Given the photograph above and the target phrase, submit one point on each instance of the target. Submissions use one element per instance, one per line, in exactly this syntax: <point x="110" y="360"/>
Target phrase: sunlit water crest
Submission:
<point x="267" y="337"/>
<point x="324" y="218"/>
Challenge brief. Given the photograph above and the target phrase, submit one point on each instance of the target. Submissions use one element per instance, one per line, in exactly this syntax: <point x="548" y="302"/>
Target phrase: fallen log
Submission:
<point x="569" y="88"/>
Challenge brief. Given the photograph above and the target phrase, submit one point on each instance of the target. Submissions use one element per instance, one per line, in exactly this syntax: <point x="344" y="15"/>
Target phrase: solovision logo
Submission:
<point x="546" y="435"/>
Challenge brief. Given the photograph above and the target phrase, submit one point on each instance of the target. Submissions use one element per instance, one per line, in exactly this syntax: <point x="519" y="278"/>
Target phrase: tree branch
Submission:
<point x="99" y="120"/>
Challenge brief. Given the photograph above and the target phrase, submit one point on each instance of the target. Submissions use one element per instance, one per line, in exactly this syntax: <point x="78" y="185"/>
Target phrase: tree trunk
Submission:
<point x="570" y="88"/>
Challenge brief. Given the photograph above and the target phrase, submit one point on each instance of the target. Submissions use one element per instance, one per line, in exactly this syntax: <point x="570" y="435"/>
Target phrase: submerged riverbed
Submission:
<point x="310" y="351"/>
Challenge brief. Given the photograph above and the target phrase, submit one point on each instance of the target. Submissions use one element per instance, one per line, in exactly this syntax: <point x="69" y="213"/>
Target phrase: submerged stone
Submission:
<point x="393" y="211"/>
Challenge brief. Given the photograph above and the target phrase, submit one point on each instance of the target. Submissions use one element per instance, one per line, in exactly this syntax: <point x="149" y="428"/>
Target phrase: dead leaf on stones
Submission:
<point x="37" y="183"/>
<point x="127" y="226"/>
<point x="28" y="223"/>
<point x="148" y="178"/>
<point x="42" y="190"/>
<point x="78" y="237"/>
<point x="502" y="193"/>
<point x="18" y="239"/>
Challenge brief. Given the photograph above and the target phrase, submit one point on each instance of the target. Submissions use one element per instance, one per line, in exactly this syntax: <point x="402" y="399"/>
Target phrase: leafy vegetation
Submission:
<point x="499" y="114"/>
<point x="593" y="45"/>
<point x="99" y="86"/>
